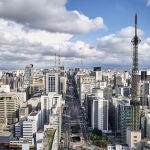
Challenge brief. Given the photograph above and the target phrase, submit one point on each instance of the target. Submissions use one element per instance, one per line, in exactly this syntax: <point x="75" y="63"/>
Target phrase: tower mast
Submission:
<point x="135" y="94"/>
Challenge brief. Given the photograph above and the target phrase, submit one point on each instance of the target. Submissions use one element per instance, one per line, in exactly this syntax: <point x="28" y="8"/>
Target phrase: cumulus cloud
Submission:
<point x="21" y="45"/>
<point x="118" y="48"/>
<point x="50" y="15"/>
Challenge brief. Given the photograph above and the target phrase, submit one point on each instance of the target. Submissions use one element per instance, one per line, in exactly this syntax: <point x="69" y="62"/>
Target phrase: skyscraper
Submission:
<point x="9" y="106"/>
<point x="52" y="82"/>
<point x="27" y="75"/>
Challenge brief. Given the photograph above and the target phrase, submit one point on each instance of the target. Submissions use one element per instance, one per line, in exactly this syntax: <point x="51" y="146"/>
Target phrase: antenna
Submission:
<point x="59" y="57"/>
<point x="135" y="24"/>
<point x="55" y="60"/>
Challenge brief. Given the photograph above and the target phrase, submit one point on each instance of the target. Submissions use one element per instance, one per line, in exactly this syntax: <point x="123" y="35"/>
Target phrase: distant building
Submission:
<point x="4" y="88"/>
<point x="144" y="92"/>
<point x="94" y="113"/>
<point x="28" y="75"/>
<point x="28" y="130"/>
<point x="124" y="120"/>
<point x="103" y="108"/>
<point x="123" y="91"/>
<point x="9" y="108"/>
<point x="86" y="83"/>
<point x="145" y="124"/>
<point x="35" y="117"/>
<point x="117" y="147"/>
<point x="18" y="130"/>
<point x="99" y="110"/>
<point x="133" y="139"/>
<point x="49" y="105"/>
<point x="52" y="82"/>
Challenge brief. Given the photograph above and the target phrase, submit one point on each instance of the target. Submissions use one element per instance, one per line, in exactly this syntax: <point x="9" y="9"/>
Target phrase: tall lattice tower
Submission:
<point x="135" y="95"/>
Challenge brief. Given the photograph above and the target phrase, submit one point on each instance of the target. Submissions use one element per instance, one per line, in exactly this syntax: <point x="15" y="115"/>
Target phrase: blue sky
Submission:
<point x="87" y="33"/>
<point x="117" y="14"/>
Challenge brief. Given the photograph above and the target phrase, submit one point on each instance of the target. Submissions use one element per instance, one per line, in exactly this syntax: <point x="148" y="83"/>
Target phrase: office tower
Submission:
<point x="52" y="82"/>
<point x="94" y="113"/>
<point x="144" y="91"/>
<point x="99" y="111"/>
<point x="45" y="109"/>
<point x="103" y="107"/>
<point x="89" y="108"/>
<point x="143" y="75"/>
<point x="27" y="75"/>
<point x="145" y="124"/>
<point x="9" y="106"/>
<point x="124" y="117"/>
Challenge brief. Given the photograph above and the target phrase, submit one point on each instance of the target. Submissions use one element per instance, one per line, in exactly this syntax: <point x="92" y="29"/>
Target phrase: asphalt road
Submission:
<point x="73" y="115"/>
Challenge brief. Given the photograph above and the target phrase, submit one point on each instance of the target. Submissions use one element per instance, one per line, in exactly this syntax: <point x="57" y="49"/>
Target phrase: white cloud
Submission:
<point x="21" y="46"/>
<point x="50" y="15"/>
<point x="13" y="32"/>
<point x="130" y="31"/>
<point x="118" y="47"/>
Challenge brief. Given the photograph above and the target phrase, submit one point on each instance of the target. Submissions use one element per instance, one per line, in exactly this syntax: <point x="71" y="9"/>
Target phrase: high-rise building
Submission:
<point x="124" y="117"/>
<point x="9" y="107"/>
<point x="27" y="75"/>
<point x="145" y="124"/>
<point x="49" y="105"/>
<point x="144" y="92"/>
<point x="52" y="82"/>
<point x="99" y="110"/>
<point x="94" y="113"/>
<point x="103" y="107"/>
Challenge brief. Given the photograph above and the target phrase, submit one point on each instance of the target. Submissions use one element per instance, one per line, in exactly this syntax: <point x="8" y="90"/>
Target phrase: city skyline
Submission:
<point x="86" y="33"/>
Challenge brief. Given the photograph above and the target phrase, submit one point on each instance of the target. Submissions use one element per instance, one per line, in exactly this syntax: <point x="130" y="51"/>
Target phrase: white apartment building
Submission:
<point x="9" y="105"/>
<point x="133" y="139"/>
<point x="49" y="105"/>
<point x="28" y="129"/>
<point x="35" y="117"/>
<point x="52" y="82"/>
<point x="87" y="83"/>
<point x="102" y="109"/>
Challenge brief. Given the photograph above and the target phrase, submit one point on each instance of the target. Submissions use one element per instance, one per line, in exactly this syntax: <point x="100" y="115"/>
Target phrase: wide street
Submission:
<point x="72" y="115"/>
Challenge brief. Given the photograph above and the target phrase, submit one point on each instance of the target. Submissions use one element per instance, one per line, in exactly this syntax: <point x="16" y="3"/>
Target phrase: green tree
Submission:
<point x="97" y="132"/>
